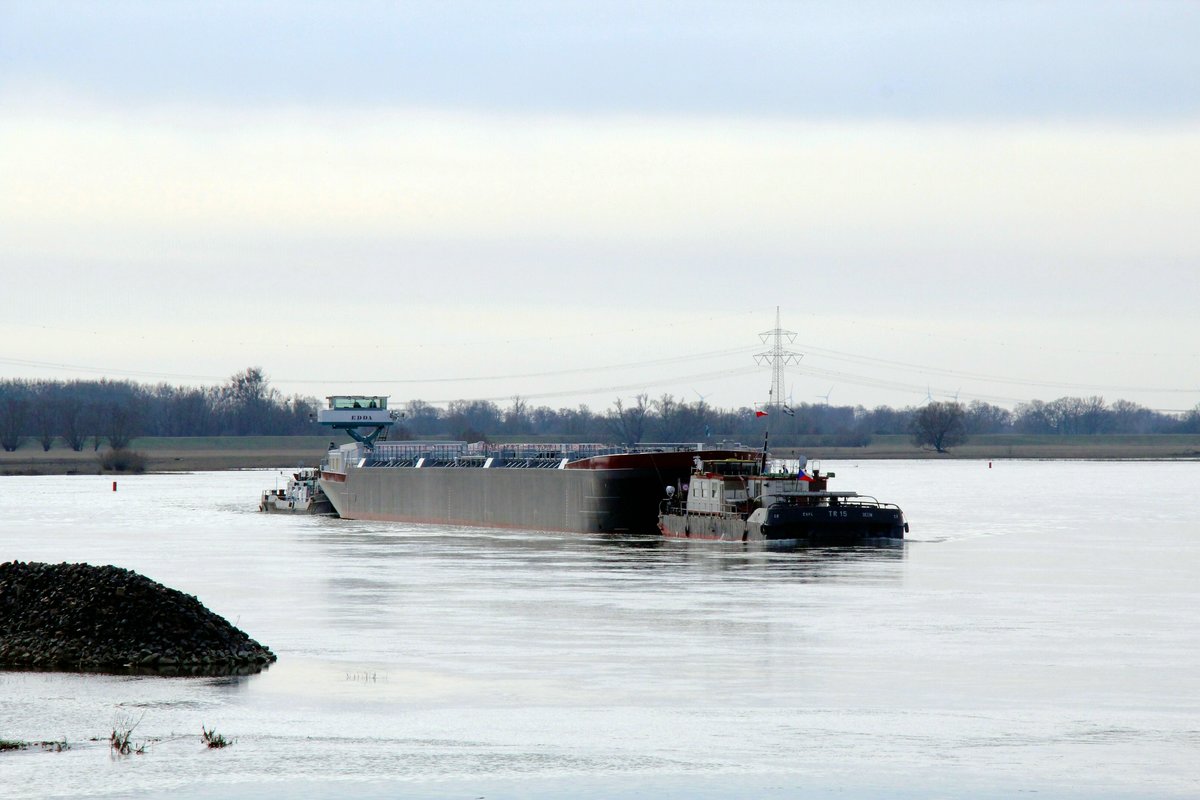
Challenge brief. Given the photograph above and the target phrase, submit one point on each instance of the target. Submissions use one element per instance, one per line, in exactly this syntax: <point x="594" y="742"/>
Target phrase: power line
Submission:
<point x="545" y="374"/>
<point x="999" y="343"/>
<point x="603" y="389"/>
<point x="871" y="361"/>
<point x="23" y="362"/>
<point x="384" y="381"/>
<point x="910" y="388"/>
<point x="408" y="344"/>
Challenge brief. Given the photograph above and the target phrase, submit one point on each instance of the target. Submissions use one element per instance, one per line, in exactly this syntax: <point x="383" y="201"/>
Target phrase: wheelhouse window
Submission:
<point x="346" y="402"/>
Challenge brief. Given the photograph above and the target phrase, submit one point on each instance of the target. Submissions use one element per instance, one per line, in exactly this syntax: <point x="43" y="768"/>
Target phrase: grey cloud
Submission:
<point x="842" y="60"/>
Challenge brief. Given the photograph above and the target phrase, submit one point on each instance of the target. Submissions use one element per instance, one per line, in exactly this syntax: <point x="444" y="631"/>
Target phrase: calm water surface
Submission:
<point x="1037" y="633"/>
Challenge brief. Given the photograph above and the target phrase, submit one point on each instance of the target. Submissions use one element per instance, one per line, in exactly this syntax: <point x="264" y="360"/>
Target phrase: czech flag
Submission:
<point x="802" y="475"/>
<point x="760" y="413"/>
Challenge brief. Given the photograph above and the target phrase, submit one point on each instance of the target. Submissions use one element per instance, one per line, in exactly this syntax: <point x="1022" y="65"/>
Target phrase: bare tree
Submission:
<point x="885" y="419"/>
<point x="249" y="398"/>
<point x="940" y="426"/>
<point x="44" y="412"/>
<point x="677" y="420"/>
<point x="1190" y="423"/>
<point x="422" y="418"/>
<point x="516" y="418"/>
<point x="70" y="414"/>
<point x="13" y="410"/>
<point x="986" y="418"/>
<point x="119" y="425"/>
<point x="471" y="420"/>
<point x="629" y="424"/>
<point x="1081" y="414"/>
<point x="95" y="420"/>
<point x="1036" y="416"/>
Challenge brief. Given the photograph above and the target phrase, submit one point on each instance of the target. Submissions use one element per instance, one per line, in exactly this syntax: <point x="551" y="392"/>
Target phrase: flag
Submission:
<point x="788" y="410"/>
<point x="760" y="413"/>
<point x="802" y="475"/>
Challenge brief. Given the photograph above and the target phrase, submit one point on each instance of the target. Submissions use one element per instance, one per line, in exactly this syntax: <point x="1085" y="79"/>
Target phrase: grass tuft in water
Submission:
<point x="121" y="738"/>
<point x="213" y="739"/>
<point x="50" y="747"/>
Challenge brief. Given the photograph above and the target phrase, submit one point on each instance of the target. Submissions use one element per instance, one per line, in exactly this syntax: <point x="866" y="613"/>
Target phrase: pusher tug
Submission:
<point x="302" y="495"/>
<point x="739" y="500"/>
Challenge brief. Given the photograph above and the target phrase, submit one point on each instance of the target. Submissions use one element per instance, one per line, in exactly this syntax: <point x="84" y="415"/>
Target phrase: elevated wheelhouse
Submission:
<point x="355" y="413"/>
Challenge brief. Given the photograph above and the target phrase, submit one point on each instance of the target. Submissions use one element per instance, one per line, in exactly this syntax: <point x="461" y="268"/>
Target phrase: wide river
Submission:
<point x="1039" y="632"/>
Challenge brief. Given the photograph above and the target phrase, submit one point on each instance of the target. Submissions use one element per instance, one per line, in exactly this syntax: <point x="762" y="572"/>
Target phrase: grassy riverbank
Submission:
<point x="176" y="454"/>
<point x="188" y="454"/>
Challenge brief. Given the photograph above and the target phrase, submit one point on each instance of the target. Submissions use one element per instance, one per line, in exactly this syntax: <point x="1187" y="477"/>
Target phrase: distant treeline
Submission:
<point x="79" y="414"/>
<point x="83" y="414"/>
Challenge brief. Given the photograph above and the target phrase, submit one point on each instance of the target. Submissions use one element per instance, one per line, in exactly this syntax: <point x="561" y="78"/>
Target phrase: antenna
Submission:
<point x="777" y="357"/>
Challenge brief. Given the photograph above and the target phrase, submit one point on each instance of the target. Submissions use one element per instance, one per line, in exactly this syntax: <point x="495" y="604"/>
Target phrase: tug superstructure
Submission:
<point x="743" y="499"/>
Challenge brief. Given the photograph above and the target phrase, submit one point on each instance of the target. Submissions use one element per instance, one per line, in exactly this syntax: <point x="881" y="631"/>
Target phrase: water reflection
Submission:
<point x="390" y="569"/>
<point x="602" y="551"/>
<point x="221" y="674"/>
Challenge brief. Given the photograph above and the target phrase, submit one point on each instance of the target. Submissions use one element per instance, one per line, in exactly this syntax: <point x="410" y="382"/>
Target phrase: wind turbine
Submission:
<point x="825" y="396"/>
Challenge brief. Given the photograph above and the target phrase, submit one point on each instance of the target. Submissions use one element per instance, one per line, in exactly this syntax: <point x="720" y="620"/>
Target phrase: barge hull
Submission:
<point x="571" y="500"/>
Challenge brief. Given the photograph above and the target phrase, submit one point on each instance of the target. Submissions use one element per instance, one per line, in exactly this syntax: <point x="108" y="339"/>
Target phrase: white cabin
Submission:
<point x="355" y="410"/>
<point x="717" y="492"/>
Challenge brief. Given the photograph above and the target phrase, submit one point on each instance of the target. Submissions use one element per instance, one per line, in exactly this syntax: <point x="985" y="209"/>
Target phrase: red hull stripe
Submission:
<point x="711" y="538"/>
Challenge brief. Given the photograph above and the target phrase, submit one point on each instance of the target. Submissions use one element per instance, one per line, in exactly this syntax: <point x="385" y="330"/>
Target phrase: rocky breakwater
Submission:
<point x="80" y="617"/>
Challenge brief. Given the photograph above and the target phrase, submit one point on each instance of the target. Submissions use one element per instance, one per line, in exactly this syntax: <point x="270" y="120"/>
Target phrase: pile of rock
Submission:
<point x="82" y="617"/>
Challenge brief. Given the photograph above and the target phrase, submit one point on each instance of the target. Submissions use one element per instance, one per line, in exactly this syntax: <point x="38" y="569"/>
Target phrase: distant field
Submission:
<point x="316" y="444"/>
<point x="252" y="452"/>
<point x="183" y="454"/>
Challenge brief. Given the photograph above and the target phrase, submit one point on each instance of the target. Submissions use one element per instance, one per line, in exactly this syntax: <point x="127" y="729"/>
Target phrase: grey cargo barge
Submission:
<point x="583" y="488"/>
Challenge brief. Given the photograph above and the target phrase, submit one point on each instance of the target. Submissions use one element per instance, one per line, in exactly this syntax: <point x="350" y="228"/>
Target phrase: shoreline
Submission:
<point x="203" y="454"/>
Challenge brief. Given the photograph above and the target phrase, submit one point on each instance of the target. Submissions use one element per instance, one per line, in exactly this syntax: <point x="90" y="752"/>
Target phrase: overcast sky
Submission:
<point x="576" y="202"/>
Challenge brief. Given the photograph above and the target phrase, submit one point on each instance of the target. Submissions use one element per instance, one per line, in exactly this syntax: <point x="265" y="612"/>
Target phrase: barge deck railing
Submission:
<point x="532" y="455"/>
